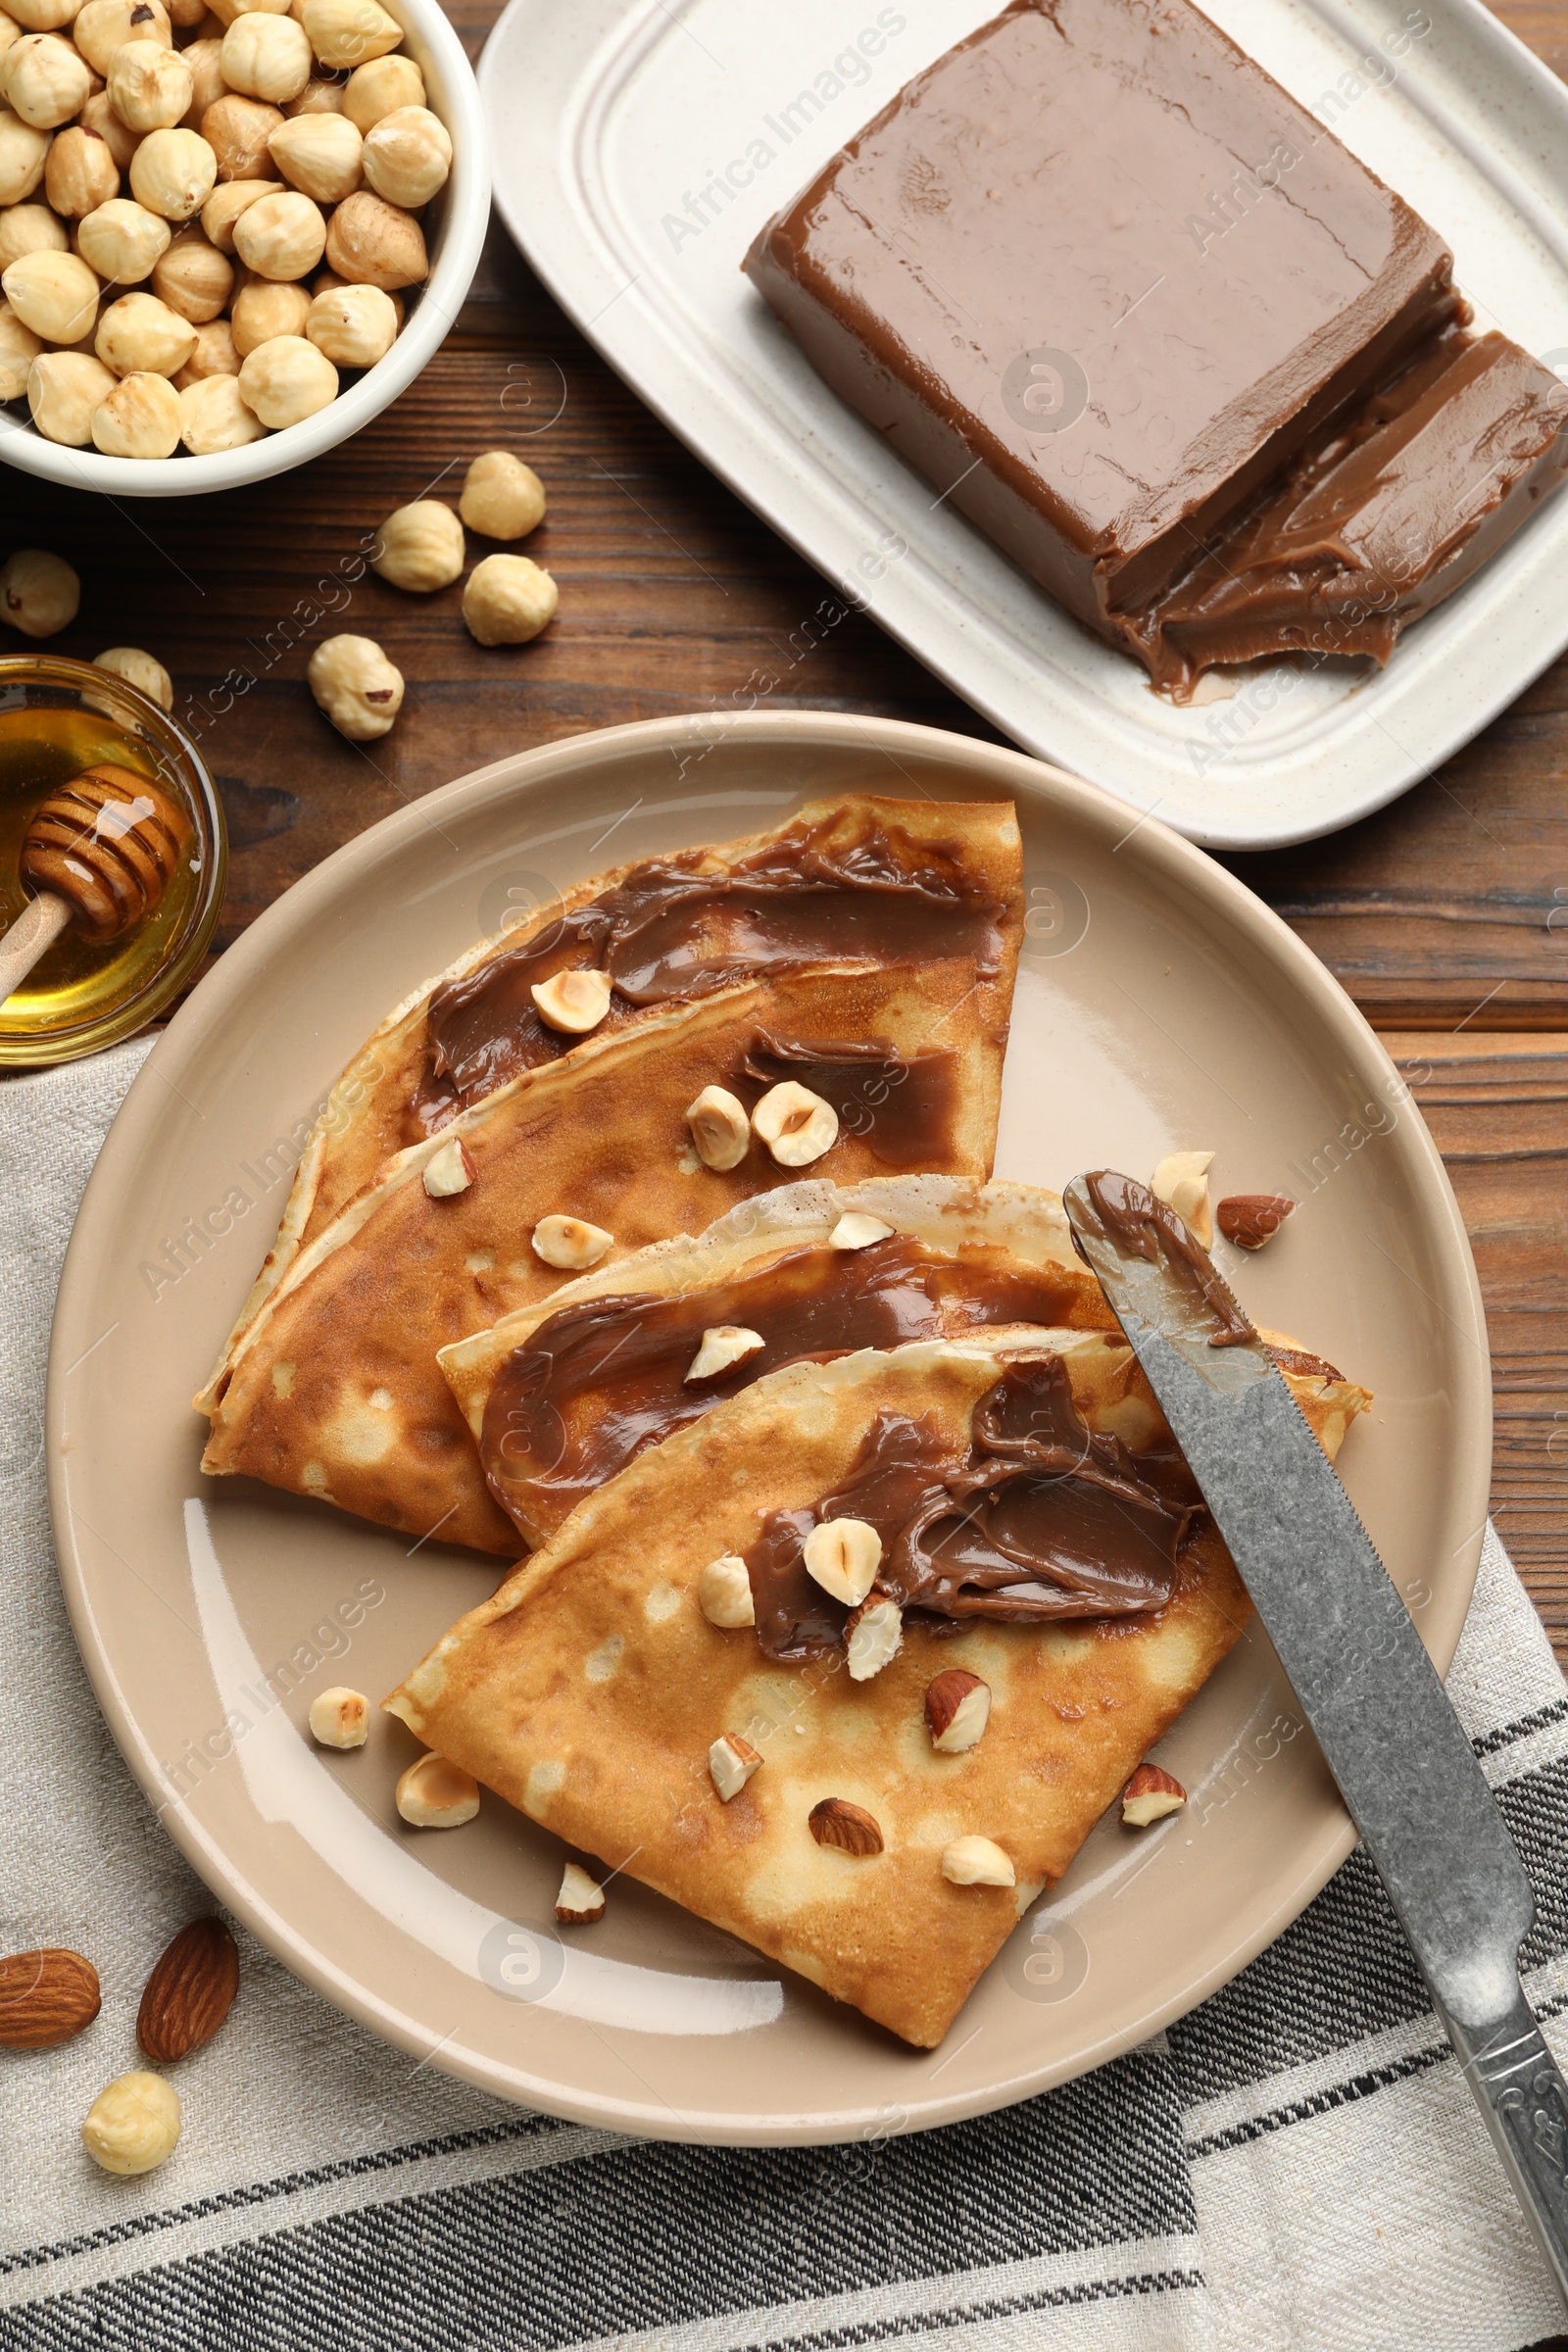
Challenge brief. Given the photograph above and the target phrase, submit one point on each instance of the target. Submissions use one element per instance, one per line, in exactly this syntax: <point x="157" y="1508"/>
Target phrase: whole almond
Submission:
<point x="1249" y="1219"/>
<point x="849" y="1827"/>
<point x="189" y="1992"/>
<point x="46" y="1997"/>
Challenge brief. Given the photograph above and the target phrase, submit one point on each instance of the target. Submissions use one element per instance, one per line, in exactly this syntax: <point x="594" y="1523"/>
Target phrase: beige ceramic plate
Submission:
<point x="1159" y="1005"/>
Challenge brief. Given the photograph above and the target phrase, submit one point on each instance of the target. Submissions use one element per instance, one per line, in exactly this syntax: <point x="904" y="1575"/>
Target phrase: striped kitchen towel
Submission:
<point x="1296" y="2167"/>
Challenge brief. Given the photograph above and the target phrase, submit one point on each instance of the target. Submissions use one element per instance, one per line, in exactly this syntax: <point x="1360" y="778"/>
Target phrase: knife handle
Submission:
<point x="1521" y="2092"/>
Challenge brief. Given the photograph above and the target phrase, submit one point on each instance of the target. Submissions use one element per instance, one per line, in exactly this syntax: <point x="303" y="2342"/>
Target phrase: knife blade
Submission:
<point x="1404" y="1767"/>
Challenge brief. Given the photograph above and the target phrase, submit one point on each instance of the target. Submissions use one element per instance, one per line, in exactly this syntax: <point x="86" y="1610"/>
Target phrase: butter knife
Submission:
<point x="1404" y="1766"/>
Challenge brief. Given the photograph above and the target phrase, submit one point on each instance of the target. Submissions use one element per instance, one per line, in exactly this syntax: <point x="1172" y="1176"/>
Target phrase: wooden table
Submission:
<point x="1445" y="918"/>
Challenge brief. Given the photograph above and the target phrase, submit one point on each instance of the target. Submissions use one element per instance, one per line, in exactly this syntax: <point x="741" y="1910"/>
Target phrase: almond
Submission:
<point x="957" y="1708"/>
<point x="189" y="1992"/>
<point x="1249" y="1219"/>
<point x="46" y="1997"/>
<point x="1149" y="1796"/>
<point x="731" y="1762"/>
<point x="581" y="1899"/>
<point x="977" y="1862"/>
<point x="850" y="1828"/>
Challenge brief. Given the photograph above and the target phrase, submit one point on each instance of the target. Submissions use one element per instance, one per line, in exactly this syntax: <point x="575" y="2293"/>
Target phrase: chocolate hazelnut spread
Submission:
<point x="600" y="1381"/>
<point x="1040" y="1520"/>
<point x="1103" y="282"/>
<point x="670" y="930"/>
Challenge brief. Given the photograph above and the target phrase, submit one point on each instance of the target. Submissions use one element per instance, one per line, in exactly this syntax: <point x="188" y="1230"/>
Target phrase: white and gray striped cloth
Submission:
<point x="1294" y="2167"/>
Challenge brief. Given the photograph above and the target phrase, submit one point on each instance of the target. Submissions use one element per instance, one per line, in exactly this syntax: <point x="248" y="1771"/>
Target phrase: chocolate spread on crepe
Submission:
<point x="1037" y="1520"/>
<point x="672" y="927"/>
<point x="1144" y="1226"/>
<point x="602" y="1379"/>
<point x="1103" y="282"/>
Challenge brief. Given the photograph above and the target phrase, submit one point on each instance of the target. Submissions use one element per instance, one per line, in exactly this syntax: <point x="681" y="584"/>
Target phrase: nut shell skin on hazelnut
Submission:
<point x="853" y="1850"/>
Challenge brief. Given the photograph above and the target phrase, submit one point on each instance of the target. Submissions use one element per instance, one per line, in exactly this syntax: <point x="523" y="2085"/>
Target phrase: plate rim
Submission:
<point x="1178" y="862"/>
<point x="767" y="481"/>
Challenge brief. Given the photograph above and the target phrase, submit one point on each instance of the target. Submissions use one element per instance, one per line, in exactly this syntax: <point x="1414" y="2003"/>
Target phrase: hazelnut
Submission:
<point x="138" y="418"/>
<point x="133" y="2125"/>
<point x="581" y="1899"/>
<point x="957" y="1708"/>
<point x="264" y="311"/>
<point x="449" y="1171"/>
<point x="731" y="1762"/>
<point x="848" y="1827"/>
<point x="355" y="683"/>
<point x="873" y="1636"/>
<point x="570" y="1243"/>
<point x="123" y="240"/>
<point x="370" y="242"/>
<point x="853" y="1230"/>
<point x="1149" y="1796"/>
<point x="140" y="335"/>
<point x="843" y="1556"/>
<point x="214" y="355"/>
<point x="1249" y="1221"/>
<point x="266" y="57"/>
<point x="280" y="236"/>
<point x="64" y="387"/>
<point x="349" y="32"/>
<point x="1181" y="1179"/>
<point x="340" y="1718"/>
<point x="501" y="497"/>
<point x="224" y="205"/>
<point x="977" y="1862"/>
<point x="188" y="14"/>
<point x="173" y="173"/>
<point x="285" y="380"/>
<point x="47" y="80"/>
<point x="318" y="98"/>
<point x="720" y="1131"/>
<point x="379" y="88"/>
<point x="355" y="326"/>
<point x="796" y="1125"/>
<point x="99" y="117"/>
<point x="140" y="671"/>
<point x="23" y="154"/>
<point x="19" y="348"/>
<point x="725" y="1592"/>
<point x="722" y="1346"/>
<point x="506" y="599"/>
<point x="212" y="416"/>
<point x="203" y="62"/>
<point x="193" y="278"/>
<point x="53" y="293"/>
<point x="149" y="88"/>
<point x="408" y="156"/>
<point x="81" y="173"/>
<point x="435" y="1794"/>
<point x="39" y="592"/>
<point x="320" y="155"/>
<point x="572" y="1002"/>
<point x="222" y="13"/>
<point x="103" y="26"/>
<point x="30" y="228"/>
<point x="40" y="16"/>
<point x="419" y="547"/>
<point x="238" y="129"/>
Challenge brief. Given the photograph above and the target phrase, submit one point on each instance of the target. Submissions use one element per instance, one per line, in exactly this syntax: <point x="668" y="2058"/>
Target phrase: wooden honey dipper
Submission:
<point x="98" y="853"/>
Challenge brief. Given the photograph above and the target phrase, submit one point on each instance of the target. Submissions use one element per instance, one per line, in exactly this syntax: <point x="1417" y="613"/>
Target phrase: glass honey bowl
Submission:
<point x="57" y="717"/>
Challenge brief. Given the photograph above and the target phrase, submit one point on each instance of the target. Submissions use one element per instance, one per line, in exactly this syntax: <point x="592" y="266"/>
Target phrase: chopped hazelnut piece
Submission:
<point x="725" y="1345"/>
<point x="435" y="1794"/>
<point x="581" y="1899"/>
<point x="720" y="1131"/>
<point x="977" y="1862"/>
<point x="843" y="1556"/>
<point x="450" y="1170"/>
<point x="732" y="1760"/>
<point x="1181" y="1179"/>
<point x="856" y="1232"/>
<point x="340" y="1718"/>
<point x="725" y="1592"/>
<point x="796" y="1125"/>
<point x="570" y="1243"/>
<point x="873" y="1636"/>
<point x="572" y="1002"/>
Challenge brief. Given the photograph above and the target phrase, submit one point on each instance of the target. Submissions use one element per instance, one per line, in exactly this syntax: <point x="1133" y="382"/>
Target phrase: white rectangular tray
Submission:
<point x="640" y="144"/>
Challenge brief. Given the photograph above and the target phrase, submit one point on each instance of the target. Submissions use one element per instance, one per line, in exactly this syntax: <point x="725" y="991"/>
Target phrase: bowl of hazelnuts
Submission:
<point x="230" y="231"/>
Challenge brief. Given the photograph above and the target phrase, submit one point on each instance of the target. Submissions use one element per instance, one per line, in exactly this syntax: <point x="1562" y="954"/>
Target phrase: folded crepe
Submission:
<point x="1067" y="1568"/>
<point x="563" y="1394"/>
<point x="333" y="1388"/>
<point x="853" y="877"/>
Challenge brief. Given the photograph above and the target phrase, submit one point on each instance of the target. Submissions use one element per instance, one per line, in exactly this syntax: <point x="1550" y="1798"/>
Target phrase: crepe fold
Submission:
<point x="588" y="1691"/>
<point x="333" y="1389"/>
<point x="854" y="876"/>
<point x="563" y="1394"/>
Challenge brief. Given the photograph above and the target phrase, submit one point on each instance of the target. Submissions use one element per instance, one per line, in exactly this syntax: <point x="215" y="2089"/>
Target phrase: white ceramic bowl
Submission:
<point x="455" y="229"/>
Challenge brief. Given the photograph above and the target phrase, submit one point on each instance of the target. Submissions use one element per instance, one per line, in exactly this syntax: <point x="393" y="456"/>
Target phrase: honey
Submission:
<point x="57" y="717"/>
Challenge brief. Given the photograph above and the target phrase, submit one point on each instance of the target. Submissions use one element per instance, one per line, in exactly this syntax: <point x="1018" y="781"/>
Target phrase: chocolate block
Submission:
<point x="1099" y="278"/>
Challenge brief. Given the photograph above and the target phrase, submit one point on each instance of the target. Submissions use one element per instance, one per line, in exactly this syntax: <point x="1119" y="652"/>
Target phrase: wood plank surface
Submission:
<point x="1446" y="917"/>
